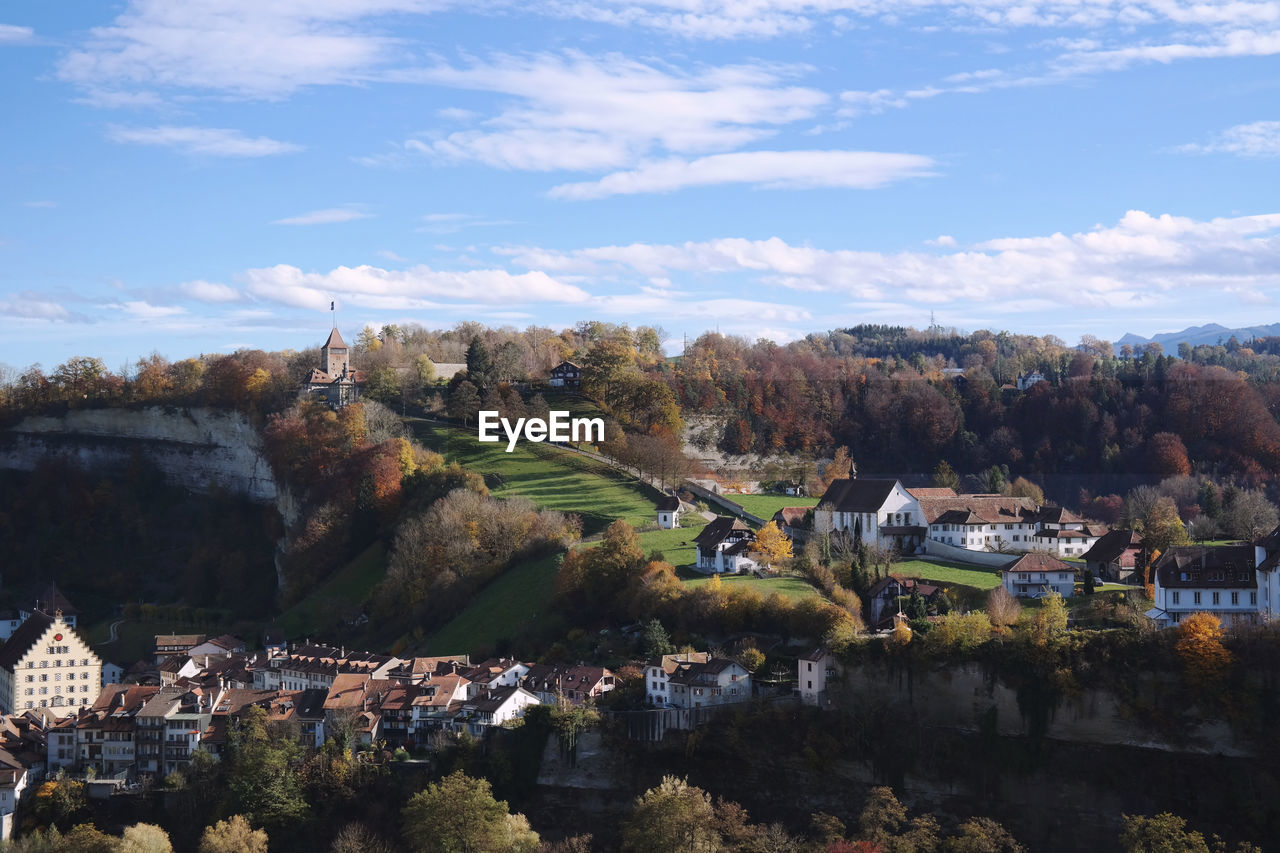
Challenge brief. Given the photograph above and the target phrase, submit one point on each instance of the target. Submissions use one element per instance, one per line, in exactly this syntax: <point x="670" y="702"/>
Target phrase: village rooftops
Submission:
<point x="856" y="495"/>
<point x="978" y="509"/>
<point x="1207" y="567"/>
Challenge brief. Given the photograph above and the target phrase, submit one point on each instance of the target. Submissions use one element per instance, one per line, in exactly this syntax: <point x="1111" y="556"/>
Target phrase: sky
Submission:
<point x="191" y="178"/>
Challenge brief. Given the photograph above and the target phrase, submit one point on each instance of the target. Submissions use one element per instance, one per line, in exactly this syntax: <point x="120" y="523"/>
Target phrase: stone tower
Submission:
<point x="335" y="355"/>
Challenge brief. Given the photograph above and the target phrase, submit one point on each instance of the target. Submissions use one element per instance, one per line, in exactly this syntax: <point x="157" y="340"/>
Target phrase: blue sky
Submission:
<point x="198" y="177"/>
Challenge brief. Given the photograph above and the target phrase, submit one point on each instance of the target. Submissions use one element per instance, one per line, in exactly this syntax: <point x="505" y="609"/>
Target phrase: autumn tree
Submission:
<point x="1204" y="658"/>
<point x="982" y="835"/>
<point x="144" y="838"/>
<point x="1167" y="455"/>
<point x="838" y="467"/>
<point x="1162" y="833"/>
<point x="458" y="814"/>
<point x="1049" y="622"/>
<point x="1024" y="488"/>
<point x="673" y="816"/>
<point x="1002" y="607"/>
<point x="233" y="835"/>
<point x="774" y="545"/>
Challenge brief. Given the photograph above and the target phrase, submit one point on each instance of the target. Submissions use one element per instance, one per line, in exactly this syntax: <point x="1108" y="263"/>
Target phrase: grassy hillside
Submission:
<point x="552" y="477"/>
<point x="794" y="588"/>
<point x="338" y="598"/>
<point x="949" y="573"/>
<point x="513" y="601"/>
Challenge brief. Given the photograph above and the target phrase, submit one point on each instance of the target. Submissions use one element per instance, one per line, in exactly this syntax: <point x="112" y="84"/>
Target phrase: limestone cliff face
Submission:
<point x="201" y="449"/>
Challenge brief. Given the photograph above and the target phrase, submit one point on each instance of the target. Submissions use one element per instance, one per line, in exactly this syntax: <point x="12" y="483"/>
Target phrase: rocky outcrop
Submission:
<point x="202" y="449"/>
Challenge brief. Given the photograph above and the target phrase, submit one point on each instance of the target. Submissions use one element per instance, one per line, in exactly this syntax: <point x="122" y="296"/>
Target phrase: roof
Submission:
<point x="668" y="503"/>
<point x="1064" y="534"/>
<point x="1034" y="562"/>
<point x="335" y="339"/>
<point x="188" y="640"/>
<point x="1207" y="567"/>
<point x="905" y="583"/>
<point x="848" y="495"/>
<point x="52" y="600"/>
<point x="792" y="515"/>
<point x="566" y="364"/>
<point x="22" y="639"/>
<point x="670" y="663"/>
<point x="932" y="492"/>
<point x="986" y="509"/>
<point x="717" y="530"/>
<point x="1058" y="515"/>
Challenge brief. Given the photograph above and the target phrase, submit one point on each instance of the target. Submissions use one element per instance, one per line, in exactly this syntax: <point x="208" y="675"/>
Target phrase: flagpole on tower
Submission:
<point x="333" y="313"/>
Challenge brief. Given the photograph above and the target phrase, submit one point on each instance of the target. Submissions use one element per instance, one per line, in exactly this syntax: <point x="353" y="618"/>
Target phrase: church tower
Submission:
<point x="334" y="355"/>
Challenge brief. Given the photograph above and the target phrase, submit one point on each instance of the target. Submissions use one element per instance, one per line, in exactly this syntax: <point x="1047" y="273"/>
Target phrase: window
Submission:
<point x="1196" y="596"/>
<point x="30" y="678"/>
<point x="1216" y="597"/>
<point x="44" y="676"/>
<point x="1253" y="598"/>
<point x="1177" y="597"/>
<point x="1235" y="598"/>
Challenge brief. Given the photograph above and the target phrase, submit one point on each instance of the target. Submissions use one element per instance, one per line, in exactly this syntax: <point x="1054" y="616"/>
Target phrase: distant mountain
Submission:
<point x="1211" y="334"/>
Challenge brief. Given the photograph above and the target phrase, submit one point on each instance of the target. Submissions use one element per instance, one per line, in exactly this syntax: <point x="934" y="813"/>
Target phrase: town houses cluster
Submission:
<point x="189" y="695"/>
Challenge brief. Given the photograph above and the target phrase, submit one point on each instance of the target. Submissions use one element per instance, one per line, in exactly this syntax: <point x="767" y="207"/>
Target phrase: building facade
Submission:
<point x="46" y="664"/>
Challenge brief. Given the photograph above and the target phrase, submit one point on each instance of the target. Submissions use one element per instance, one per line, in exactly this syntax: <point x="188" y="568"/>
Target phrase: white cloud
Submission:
<point x="209" y="291"/>
<point x="418" y="287"/>
<point x="246" y="47"/>
<point x="1133" y="263"/>
<point x="767" y="169"/>
<point x="327" y="216"/>
<point x="36" y="306"/>
<point x="142" y="310"/>
<point x="1257" y="139"/>
<point x="944" y="240"/>
<point x="43" y="204"/>
<point x="11" y="34"/>
<point x="452" y="223"/>
<point x="581" y="113"/>
<point x="202" y="141"/>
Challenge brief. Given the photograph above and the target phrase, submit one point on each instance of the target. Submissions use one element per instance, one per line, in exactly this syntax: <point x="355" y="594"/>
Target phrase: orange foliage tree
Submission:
<point x="1200" y="647"/>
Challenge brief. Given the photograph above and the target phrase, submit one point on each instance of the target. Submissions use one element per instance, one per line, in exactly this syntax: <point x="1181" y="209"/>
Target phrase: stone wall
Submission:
<point x="201" y="449"/>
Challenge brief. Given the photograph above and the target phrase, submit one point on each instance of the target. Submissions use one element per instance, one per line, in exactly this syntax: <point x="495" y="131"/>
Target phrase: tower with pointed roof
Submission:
<point x="335" y="355"/>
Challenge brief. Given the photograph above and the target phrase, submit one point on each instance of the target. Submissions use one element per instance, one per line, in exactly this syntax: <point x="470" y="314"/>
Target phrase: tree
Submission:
<point x="233" y="835"/>
<point x="1050" y="621"/>
<point x="479" y="365"/>
<point x="774" y="545"/>
<point x="838" y="467"/>
<point x="674" y="816"/>
<point x="1163" y="833"/>
<point x="1167" y="455"/>
<point x="982" y="835"/>
<point x="259" y="778"/>
<point x="1248" y="514"/>
<point x="145" y="838"/>
<point x="656" y="640"/>
<point x="464" y="401"/>
<point x="945" y="477"/>
<point x="1024" y="488"/>
<point x="458" y="814"/>
<point x="1161" y="527"/>
<point x="1090" y="585"/>
<point x="1002" y="607"/>
<point x="881" y="816"/>
<point x="1199" y="645"/>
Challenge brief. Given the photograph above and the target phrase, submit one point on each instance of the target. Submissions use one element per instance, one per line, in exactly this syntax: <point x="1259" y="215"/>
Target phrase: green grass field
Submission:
<point x="765" y="506"/>
<point x="949" y="573"/>
<point x="136" y="640"/>
<point x="793" y="588"/>
<point x="513" y="600"/>
<point x="340" y="593"/>
<point x="549" y="476"/>
<point x="669" y="543"/>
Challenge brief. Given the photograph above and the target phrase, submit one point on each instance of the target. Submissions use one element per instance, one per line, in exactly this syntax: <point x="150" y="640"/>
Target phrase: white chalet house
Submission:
<point x="725" y="546"/>
<point x="1001" y="523"/>
<point x="1037" y="575"/>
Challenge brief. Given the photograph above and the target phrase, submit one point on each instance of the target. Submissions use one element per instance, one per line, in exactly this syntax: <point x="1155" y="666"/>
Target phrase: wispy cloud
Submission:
<point x="43" y="204"/>
<point x="765" y="169"/>
<point x="327" y="216"/>
<point x="418" y="287"/>
<point x="452" y="223"/>
<point x="11" y="34"/>
<point x="209" y="291"/>
<point x="583" y="113"/>
<point x="1257" y="139"/>
<point x="202" y="141"/>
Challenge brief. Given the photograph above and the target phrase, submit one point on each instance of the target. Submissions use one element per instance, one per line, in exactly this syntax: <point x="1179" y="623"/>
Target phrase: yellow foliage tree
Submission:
<point x="773" y="544"/>
<point x="901" y="634"/>
<point x="1200" y="646"/>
